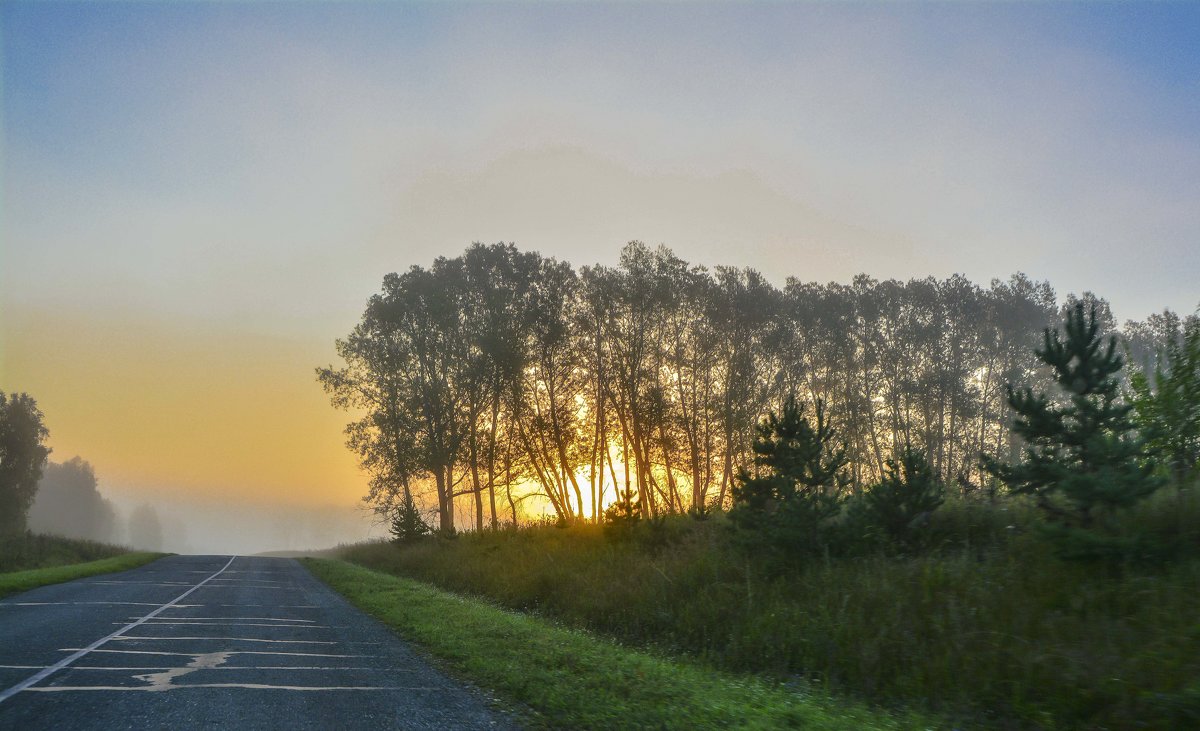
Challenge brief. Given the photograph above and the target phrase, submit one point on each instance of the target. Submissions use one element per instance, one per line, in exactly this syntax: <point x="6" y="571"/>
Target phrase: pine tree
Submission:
<point x="1082" y="458"/>
<point x="800" y="483"/>
<point x="908" y="493"/>
<point x="622" y="516"/>
<point x="407" y="525"/>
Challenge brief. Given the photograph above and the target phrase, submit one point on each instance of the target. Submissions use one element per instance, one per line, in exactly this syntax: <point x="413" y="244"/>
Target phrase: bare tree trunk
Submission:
<point x="476" y="488"/>
<point x="492" y="450"/>
<point x="512" y="505"/>
<point x="443" y="476"/>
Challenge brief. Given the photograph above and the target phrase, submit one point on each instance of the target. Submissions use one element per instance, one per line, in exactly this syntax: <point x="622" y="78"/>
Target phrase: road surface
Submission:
<point x="215" y="641"/>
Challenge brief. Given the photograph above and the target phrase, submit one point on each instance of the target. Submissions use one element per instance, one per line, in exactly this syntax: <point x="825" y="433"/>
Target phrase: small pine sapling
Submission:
<point x="799" y="485"/>
<point x="896" y="508"/>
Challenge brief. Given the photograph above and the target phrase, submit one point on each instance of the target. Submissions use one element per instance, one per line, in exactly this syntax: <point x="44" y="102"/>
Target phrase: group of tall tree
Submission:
<point x="498" y="373"/>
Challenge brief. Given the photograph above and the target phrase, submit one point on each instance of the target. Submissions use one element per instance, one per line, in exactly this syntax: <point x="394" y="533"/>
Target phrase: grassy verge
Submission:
<point x="990" y="627"/>
<point x="573" y="680"/>
<point x="18" y="581"/>
<point x="24" y="551"/>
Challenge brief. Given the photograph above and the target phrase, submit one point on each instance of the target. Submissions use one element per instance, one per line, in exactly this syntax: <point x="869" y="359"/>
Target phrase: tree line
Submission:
<point x="499" y="374"/>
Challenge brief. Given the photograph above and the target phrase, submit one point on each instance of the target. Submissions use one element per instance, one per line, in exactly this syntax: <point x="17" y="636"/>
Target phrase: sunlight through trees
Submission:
<point x="499" y="376"/>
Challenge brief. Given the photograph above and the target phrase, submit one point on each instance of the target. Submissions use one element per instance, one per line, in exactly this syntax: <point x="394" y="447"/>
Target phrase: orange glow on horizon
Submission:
<point x="185" y="411"/>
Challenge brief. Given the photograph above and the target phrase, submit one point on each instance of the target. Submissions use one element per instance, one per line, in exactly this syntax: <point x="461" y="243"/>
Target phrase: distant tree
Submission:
<point x="1166" y="405"/>
<point x="145" y="529"/>
<point x="908" y="493"/>
<point x="22" y="457"/>
<point x="798" y="484"/>
<point x="69" y="503"/>
<point x="1148" y="342"/>
<point x="1083" y="459"/>
<point x="1089" y="302"/>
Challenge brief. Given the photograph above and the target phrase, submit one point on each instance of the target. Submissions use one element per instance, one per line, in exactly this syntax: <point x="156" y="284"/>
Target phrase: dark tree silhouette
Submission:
<point x="406" y="523"/>
<point x="506" y="373"/>
<point x="22" y="457"/>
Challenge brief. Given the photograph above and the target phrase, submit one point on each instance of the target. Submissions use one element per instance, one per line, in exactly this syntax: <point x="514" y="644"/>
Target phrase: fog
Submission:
<point x="225" y="527"/>
<point x="74" y="501"/>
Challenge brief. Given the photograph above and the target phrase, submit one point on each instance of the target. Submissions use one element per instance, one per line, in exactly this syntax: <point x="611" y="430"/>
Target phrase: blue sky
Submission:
<point x="199" y="173"/>
<point x="923" y="137"/>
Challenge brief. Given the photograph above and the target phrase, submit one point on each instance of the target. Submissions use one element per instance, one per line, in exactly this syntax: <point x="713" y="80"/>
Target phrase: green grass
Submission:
<point x="38" y="551"/>
<point x="18" y="581"/>
<point x="989" y="627"/>
<point x="570" y="679"/>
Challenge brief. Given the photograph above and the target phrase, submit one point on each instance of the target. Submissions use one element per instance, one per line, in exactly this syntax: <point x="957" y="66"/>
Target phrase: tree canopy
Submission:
<point x="501" y="376"/>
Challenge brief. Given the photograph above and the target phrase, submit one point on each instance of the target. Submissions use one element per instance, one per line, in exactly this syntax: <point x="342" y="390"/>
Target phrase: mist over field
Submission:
<point x="211" y="527"/>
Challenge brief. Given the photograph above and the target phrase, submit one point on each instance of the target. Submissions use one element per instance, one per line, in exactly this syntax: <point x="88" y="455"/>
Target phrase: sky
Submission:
<point x="198" y="198"/>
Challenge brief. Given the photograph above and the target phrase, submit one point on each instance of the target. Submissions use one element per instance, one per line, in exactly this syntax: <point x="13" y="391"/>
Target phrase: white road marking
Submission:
<point x="236" y="624"/>
<point x="47" y="672"/>
<point x="247" y="619"/>
<point x="230" y="639"/>
<point x="273" y="606"/>
<point x="61" y="604"/>
<point x="145" y="583"/>
<point x="251" y="686"/>
<point x="232" y="652"/>
<point x="223" y="668"/>
<point x="165" y="680"/>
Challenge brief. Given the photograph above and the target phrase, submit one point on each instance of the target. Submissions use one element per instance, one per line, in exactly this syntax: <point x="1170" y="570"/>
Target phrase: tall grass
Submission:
<point x="565" y="679"/>
<point x="988" y="624"/>
<point x="28" y="550"/>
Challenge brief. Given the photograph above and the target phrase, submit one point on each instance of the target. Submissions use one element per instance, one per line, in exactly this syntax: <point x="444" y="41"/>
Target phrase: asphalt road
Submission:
<point x="210" y="642"/>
